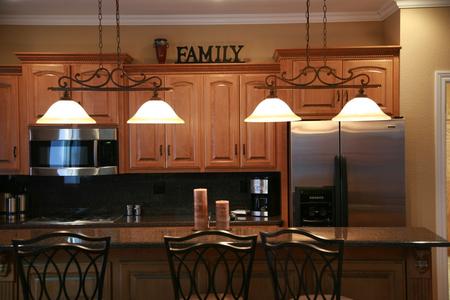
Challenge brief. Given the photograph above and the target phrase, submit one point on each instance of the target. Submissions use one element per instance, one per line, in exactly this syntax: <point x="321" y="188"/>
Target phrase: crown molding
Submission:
<point x="221" y="19"/>
<point x="388" y="9"/>
<point x="422" y="3"/>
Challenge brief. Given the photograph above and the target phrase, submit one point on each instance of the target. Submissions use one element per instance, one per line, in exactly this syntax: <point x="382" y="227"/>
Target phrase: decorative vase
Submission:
<point x="161" y="46"/>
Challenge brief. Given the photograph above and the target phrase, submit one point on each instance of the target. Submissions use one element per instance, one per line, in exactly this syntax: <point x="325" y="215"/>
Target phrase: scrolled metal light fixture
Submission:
<point x="323" y="77"/>
<point x="156" y="110"/>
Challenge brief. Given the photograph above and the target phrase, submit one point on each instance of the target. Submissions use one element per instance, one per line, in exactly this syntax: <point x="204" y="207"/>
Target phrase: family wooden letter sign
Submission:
<point x="210" y="54"/>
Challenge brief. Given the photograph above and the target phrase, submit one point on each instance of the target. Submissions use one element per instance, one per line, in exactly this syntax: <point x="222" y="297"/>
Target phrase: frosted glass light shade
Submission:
<point x="155" y="112"/>
<point x="272" y="110"/>
<point x="361" y="109"/>
<point x="65" y="112"/>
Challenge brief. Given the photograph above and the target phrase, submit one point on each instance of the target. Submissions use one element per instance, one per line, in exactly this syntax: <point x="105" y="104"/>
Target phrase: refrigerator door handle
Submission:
<point x="341" y="191"/>
<point x="344" y="192"/>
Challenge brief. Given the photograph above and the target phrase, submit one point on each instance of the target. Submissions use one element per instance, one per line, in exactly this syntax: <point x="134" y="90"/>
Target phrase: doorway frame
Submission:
<point x="442" y="78"/>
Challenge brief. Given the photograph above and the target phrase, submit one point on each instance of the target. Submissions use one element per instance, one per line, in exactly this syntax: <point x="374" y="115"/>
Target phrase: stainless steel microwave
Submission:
<point x="73" y="151"/>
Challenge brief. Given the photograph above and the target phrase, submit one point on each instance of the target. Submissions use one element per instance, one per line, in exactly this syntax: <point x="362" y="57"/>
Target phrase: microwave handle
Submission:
<point x="95" y="150"/>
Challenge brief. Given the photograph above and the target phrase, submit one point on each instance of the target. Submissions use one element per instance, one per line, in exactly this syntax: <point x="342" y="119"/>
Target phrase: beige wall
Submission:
<point x="425" y="41"/>
<point x="259" y="40"/>
<point x="391" y="29"/>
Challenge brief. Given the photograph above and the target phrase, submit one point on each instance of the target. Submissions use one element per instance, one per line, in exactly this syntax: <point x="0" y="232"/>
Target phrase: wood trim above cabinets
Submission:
<point x="203" y="68"/>
<point x="67" y="57"/>
<point x="341" y="52"/>
<point x="10" y="70"/>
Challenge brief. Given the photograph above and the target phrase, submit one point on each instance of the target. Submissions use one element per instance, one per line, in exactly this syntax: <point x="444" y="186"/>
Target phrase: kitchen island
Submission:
<point x="379" y="262"/>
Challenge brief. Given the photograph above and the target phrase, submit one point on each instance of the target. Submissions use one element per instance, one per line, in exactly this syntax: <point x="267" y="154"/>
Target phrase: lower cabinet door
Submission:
<point x="144" y="280"/>
<point x="72" y="282"/>
<point x="374" y="280"/>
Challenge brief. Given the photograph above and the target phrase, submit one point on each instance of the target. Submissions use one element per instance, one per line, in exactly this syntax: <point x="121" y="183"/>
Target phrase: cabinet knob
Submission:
<point x="243" y="149"/>
<point x="160" y="150"/>
<point x="15" y="151"/>
<point x="168" y="150"/>
<point x="235" y="149"/>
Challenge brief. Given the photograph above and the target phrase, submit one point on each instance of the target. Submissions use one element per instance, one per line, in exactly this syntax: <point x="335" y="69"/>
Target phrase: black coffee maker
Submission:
<point x="259" y="188"/>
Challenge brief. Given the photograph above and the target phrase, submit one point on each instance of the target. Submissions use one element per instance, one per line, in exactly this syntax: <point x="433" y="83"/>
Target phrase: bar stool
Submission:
<point x="62" y="265"/>
<point x="304" y="265"/>
<point x="212" y="264"/>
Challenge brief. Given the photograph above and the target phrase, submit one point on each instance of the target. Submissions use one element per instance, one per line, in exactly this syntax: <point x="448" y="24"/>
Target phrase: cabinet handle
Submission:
<point x="235" y="149"/>
<point x="243" y="149"/>
<point x="168" y="150"/>
<point x="15" y="151"/>
<point x="346" y="96"/>
<point x="338" y="96"/>
<point x="160" y="150"/>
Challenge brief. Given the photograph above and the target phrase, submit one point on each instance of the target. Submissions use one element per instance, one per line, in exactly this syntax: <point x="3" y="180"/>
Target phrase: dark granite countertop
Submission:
<point x="382" y="236"/>
<point x="133" y="221"/>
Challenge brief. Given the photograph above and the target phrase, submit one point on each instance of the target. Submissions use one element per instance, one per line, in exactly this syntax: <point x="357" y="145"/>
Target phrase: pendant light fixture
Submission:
<point x="358" y="109"/>
<point x="65" y="111"/>
<point x="68" y="111"/>
<point x="272" y="109"/>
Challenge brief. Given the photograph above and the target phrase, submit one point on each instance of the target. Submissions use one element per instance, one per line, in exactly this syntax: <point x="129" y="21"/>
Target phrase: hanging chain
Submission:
<point x="324" y="31"/>
<point x="307" y="32"/>
<point x="100" y="34"/>
<point x="118" y="33"/>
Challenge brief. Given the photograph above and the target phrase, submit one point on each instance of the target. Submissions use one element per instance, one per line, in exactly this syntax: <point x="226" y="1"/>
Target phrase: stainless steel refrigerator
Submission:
<point x="347" y="173"/>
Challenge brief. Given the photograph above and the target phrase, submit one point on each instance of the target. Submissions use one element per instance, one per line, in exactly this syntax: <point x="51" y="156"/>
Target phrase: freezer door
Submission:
<point x="374" y="156"/>
<point x="313" y="148"/>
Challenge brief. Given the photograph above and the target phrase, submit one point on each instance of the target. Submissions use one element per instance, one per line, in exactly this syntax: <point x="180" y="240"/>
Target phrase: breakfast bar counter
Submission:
<point x="379" y="262"/>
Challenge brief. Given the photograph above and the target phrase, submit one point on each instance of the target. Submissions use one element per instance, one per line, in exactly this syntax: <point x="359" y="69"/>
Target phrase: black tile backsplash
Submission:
<point x="159" y="194"/>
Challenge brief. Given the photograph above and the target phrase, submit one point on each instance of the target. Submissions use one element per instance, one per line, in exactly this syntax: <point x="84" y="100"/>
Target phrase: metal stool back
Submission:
<point x="303" y="265"/>
<point x="213" y="263"/>
<point x="62" y="265"/>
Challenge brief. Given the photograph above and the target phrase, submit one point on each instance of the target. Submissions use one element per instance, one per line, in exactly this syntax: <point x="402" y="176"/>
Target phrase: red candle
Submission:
<point x="222" y="214"/>
<point x="201" y="209"/>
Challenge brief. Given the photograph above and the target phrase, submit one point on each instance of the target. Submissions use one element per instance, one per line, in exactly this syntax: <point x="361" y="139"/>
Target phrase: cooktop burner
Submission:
<point x="74" y="220"/>
<point x="77" y="216"/>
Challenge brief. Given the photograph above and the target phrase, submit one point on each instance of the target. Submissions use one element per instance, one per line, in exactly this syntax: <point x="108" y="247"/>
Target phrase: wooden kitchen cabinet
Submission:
<point x="221" y="121"/>
<point x="42" y="70"/>
<point x="380" y="71"/>
<point x="184" y="141"/>
<point x="176" y="146"/>
<point x="316" y="102"/>
<point x="38" y="78"/>
<point x="102" y="106"/>
<point x="258" y="146"/>
<point x="146" y="142"/>
<point x="229" y="141"/>
<point x="380" y="63"/>
<point x="9" y="124"/>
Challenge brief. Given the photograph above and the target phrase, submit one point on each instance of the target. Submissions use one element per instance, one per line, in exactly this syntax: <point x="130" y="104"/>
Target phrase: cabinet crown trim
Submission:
<point x="203" y="68"/>
<point x="339" y="52"/>
<point x="60" y="57"/>
<point x="10" y="70"/>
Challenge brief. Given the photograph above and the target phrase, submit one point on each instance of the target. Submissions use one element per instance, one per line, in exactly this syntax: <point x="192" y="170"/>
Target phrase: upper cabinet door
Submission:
<point x="9" y="124"/>
<point x="221" y="125"/>
<point x="184" y="140"/>
<point x="102" y="106"/>
<point x="257" y="139"/>
<point x="38" y="78"/>
<point x="316" y="102"/>
<point x="380" y="71"/>
<point x="146" y="141"/>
